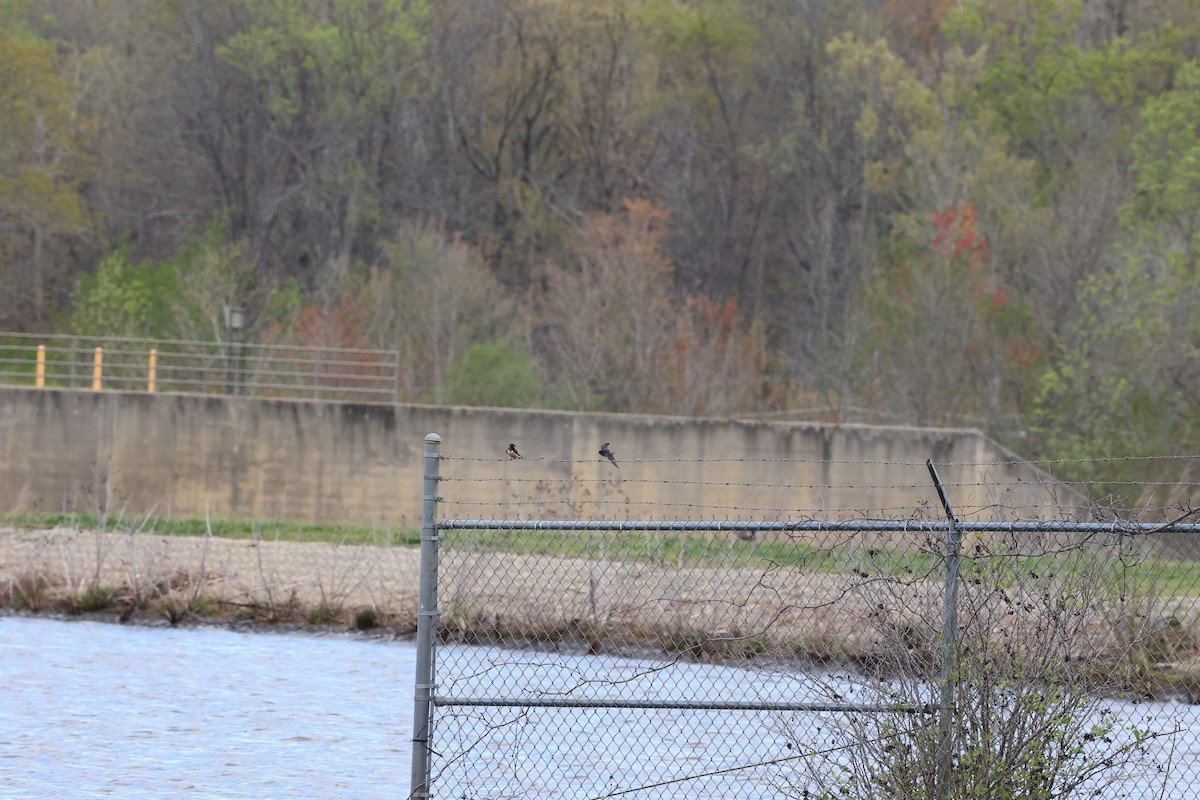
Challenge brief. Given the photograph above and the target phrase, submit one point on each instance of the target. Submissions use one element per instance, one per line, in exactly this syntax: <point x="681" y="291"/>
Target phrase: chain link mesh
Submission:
<point x="754" y="658"/>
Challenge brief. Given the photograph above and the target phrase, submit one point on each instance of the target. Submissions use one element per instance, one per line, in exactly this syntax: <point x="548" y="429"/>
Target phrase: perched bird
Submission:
<point x="512" y="451"/>
<point x="604" y="451"/>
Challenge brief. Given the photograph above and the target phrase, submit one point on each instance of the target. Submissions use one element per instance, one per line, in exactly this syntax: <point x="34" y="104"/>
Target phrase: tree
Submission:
<point x="329" y="76"/>
<point x="799" y="230"/>
<point x="507" y="91"/>
<point x="1066" y="97"/>
<point x="916" y="30"/>
<point x="707" y="102"/>
<point x="180" y="297"/>
<point x="940" y="310"/>
<point x="1164" y="214"/>
<point x="124" y="298"/>
<point x="42" y="167"/>
<point x="941" y="318"/>
<point x="1126" y="380"/>
<point x="212" y="273"/>
<point x="498" y="374"/>
<point x="432" y="297"/>
<point x="615" y="336"/>
<point x="1015" y="704"/>
<point x="283" y="121"/>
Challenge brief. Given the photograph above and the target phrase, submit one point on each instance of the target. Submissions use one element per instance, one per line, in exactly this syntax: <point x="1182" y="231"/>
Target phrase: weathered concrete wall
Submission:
<point x="188" y="455"/>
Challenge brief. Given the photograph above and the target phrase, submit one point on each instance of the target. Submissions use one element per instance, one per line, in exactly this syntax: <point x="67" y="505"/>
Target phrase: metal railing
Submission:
<point x="289" y="372"/>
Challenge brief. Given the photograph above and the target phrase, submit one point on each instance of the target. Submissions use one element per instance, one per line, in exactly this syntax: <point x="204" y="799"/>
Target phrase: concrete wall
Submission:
<point x="187" y="455"/>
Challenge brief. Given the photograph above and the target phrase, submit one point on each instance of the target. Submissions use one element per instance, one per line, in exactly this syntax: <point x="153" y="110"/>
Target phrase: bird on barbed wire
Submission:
<point x="604" y="451"/>
<point x="512" y="451"/>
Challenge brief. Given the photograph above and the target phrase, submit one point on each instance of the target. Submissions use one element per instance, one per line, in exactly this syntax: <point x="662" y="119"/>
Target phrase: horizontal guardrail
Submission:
<point x="818" y="526"/>
<point x="170" y="365"/>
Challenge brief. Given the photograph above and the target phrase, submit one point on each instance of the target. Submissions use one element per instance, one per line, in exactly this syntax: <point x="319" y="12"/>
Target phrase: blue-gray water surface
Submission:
<point x="92" y="709"/>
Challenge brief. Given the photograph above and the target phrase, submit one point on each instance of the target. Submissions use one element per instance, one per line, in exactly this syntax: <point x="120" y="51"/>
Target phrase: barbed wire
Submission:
<point x="737" y="484"/>
<point x="589" y="566"/>
<point x="753" y="459"/>
<point x="908" y="511"/>
<point x="839" y="596"/>
<point x="838" y="486"/>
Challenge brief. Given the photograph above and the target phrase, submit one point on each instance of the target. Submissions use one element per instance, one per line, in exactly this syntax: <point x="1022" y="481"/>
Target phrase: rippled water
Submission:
<point x="91" y="709"/>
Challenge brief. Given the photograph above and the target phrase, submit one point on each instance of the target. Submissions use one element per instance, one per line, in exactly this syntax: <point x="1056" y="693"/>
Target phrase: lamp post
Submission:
<point x="235" y="326"/>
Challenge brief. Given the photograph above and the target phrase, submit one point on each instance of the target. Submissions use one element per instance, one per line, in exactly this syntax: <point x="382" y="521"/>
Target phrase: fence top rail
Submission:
<point x="693" y="705"/>
<point x="35" y="338"/>
<point x="819" y="526"/>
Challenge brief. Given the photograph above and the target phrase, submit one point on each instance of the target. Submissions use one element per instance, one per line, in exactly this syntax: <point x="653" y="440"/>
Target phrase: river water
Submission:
<point x="93" y="709"/>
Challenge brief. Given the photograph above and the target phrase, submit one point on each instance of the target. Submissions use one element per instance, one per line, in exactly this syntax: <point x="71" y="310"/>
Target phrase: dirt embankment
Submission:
<point x="176" y="577"/>
<point x="483" y="595"/>
<point x="721" y="610"/>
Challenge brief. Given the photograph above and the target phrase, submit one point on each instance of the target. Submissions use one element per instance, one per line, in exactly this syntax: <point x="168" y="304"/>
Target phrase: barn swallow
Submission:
<point x="512" y="451"/>
<point x="604" y="451"/>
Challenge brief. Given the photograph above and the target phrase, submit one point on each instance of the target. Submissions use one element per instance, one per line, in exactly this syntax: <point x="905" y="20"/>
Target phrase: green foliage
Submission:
<point x="181" y="297"/>
<point x="227" y="528"/>
<point x="124" y="298"/>
<point x="95" y="597"/>
<point x="1048" y="84"/>
<point x="1032" y="66"/>
<point x="1125" y="382"/>
<point x="328" y="74"/>
<point x="497" y="374"/>
<point x="282" y="305"/>
<point x="213" y="273"/>
<point x="366" y="619"/>
<point x="1121" y="386"/>
<point x="396" y="173"/>
<point x="43" y="165"/>
<point x="703" y="39"/>
<point x="350" y="50"/>
<point x="432" y="298"/>
<point x="1164" y="213"/>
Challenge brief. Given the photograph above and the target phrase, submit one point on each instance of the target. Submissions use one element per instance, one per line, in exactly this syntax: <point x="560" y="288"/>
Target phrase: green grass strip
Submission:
<point x="229" y="529"/>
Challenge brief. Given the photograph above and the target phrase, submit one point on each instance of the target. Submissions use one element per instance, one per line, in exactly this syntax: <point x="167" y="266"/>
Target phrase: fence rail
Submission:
<point x="231" y="367"/>
<point x="814" y="658"/>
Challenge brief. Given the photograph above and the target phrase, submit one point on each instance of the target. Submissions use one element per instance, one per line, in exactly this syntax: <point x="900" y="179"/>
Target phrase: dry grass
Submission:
<point x="729" y="613"/>
<point x="494" y="596"/>
<point x="180" y="577"/>
<point x="486" y="596"/>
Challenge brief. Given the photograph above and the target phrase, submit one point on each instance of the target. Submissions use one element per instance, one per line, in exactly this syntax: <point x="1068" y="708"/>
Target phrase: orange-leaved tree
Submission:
<point x="946" y="339"/>
<point x="325" y="349"/>
<point x="615" y="334"/>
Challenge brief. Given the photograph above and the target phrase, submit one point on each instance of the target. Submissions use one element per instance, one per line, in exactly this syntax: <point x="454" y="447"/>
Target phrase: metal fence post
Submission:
<point x="396" y="379"/>
<point x="949" y="639"/>
<point x="98" y="369"/>
<point x="426" y="621"/>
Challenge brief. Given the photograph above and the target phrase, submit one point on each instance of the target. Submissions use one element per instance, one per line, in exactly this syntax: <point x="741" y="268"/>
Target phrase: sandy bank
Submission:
<point x="496" y="595"/>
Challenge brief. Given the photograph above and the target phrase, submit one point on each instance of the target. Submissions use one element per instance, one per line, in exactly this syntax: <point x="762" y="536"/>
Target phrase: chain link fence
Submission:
<point x="790" y="655"/>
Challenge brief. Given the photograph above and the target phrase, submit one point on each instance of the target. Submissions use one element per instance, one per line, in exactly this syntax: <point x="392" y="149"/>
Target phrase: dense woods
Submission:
<point x="938" y="212"/>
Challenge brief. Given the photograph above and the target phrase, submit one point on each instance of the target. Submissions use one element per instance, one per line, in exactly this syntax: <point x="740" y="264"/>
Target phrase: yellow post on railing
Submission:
<point x="40" y="372"/>
<point x="153" y="364"/>
<point x="98" y="370"/>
